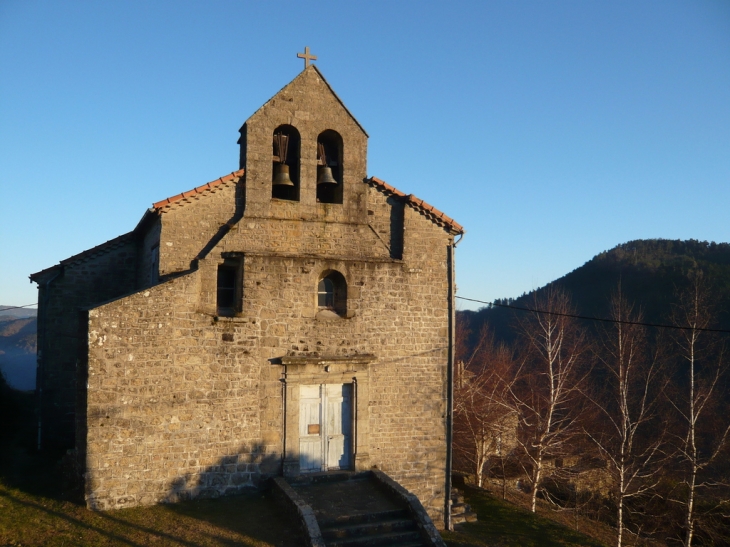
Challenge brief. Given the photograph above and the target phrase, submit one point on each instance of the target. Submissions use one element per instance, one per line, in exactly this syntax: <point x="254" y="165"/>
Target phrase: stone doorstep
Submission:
<point x="369" y="530"/>
<point x="365" y="518"/>
<point x="399" y="539"/>
<point x="327" y="476"/>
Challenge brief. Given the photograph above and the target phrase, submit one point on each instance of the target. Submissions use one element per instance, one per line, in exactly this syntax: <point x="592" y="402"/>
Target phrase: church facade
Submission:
<point x="294" y="316"/>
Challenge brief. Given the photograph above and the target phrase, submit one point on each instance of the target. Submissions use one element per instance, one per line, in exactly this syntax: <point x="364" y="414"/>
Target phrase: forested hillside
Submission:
<point x="651" y="272"/>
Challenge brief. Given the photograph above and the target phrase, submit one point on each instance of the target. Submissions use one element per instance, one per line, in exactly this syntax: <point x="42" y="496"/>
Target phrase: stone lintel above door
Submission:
<point x="325" y="360"/>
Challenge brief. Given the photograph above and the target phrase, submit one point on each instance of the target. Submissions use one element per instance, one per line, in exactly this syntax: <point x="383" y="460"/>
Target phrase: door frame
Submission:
<point x="300" y="371"/>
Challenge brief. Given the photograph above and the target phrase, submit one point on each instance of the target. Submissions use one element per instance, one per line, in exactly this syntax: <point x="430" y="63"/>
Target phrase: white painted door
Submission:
<point x="325" y="427"/>
<point x="310" y="430"/>
<point x="338" y="420"/>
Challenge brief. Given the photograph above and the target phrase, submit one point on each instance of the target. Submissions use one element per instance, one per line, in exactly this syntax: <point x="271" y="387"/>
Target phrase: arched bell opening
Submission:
<point x="286" y="147"/>
<point x="329" y="167"/>
<point x="332" y="292"/>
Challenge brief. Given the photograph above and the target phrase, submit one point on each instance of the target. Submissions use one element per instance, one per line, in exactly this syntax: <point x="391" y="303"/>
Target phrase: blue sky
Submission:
<point x="551" y="130"/>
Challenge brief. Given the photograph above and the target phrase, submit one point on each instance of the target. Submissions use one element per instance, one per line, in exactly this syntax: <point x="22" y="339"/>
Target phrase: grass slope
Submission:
<point x="254" y="520"/>
<point x="502" y="524"/>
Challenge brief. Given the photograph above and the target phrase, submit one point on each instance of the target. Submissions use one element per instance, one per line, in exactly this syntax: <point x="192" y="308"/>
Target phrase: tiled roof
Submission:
<point x="87" y="254"/>
<point x="428" y="210"/>
<point x="195" y="193"/>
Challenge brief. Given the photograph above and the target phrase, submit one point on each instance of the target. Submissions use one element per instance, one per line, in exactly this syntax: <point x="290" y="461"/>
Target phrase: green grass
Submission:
<point x="253" y="520"/>
<point x="502" y="524"/>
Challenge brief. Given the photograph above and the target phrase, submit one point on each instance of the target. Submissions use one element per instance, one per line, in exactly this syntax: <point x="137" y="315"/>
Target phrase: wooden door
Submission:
<point x="325" y="427"/>
<point x="310" y="429"/>
<point x="338" y="416"/>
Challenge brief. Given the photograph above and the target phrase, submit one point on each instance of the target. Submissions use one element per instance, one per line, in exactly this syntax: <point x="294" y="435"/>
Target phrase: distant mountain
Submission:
<point x="17" y="313"/>
<point x="18" y="349"/>
<point x="651" y="273"/>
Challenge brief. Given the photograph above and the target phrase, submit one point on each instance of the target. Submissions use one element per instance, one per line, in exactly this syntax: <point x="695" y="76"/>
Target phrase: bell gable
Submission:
<point x="305" y="155"/>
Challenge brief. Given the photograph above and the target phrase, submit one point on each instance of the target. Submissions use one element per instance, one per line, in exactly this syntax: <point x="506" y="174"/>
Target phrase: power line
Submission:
<point x="589" y="318"/>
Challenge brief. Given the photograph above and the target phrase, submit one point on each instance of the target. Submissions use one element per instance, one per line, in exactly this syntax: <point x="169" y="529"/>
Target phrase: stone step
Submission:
<point x="458" y="508"/>
<point x="393" y="538"/>
<point x="457" y="497"/>
<point x="367" y="529"/>
<point x="327" y="477"/>
<point x="464" y="517"/>
<point x="345" y="520"/>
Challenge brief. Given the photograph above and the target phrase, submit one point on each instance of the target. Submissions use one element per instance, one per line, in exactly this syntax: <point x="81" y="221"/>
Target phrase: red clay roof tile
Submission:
<point x="428" y="210"/>
<point x="196" y="192"/>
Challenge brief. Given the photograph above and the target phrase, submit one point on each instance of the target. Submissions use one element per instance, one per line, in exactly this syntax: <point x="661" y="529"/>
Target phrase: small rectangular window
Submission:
<point x="227" y="290"/>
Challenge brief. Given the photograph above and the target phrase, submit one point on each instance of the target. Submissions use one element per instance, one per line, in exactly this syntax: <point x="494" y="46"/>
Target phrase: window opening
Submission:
<point x="285" y="163"/>
<point x="329" y="167"/>
<point x="332" y="292"/>
<point x="326" y="294"/>
<point x="227" y="301"/>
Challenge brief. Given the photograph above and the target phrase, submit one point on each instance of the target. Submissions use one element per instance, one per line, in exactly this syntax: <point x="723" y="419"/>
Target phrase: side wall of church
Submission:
<point x="183" y="403"/>
<point x="96" y="278"/>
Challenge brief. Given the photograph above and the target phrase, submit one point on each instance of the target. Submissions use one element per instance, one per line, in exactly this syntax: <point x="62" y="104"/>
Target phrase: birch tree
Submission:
<point x="701" y="368"/>
<point x="546" y="391"/>
<point x="484" y="421"/>
<point x="629" y="437"/>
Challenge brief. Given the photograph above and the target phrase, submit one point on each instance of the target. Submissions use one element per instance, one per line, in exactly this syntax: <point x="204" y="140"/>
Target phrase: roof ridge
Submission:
<point x="198" y="190"/>
<point x="417" y="203"/>
<point x="88" y="253"/>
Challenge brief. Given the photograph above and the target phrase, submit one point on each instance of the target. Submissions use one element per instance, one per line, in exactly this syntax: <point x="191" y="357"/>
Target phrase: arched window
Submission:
<point x="329" y="167"/>
<point x="332" y="292"/>
<point x="285" y="163"/>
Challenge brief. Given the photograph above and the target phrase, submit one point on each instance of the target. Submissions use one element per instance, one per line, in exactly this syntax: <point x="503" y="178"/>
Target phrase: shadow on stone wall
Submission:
<point x="232" y="474"/>
<point x="246" y="516"/>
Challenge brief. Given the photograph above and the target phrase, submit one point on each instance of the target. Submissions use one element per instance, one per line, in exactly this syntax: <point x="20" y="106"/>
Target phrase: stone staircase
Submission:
<point x="395" y="527"/>
<point x="367" y="509"/>
<point x="460" y="510"/>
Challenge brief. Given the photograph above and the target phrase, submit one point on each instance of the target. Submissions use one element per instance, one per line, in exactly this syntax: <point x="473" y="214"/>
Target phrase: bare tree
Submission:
<point x="702" y="369"/>
<point x="484" y="422"/>
<point x="628" y="437"/>
<point x="546" y="391"/>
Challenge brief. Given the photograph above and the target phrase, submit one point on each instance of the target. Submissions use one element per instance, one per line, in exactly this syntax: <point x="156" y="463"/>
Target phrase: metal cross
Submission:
<point x="306" y="56"/>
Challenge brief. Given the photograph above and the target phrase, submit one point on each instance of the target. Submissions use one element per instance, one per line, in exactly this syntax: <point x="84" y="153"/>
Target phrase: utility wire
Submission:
<point x="589" y="318"/>
<point x="546" y="312"/>
<point x="18" y="307"/>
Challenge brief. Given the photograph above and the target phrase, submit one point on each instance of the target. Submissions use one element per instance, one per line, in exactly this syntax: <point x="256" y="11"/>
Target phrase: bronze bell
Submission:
<point x="325" y="176"/>
<point x="281" y="175"/>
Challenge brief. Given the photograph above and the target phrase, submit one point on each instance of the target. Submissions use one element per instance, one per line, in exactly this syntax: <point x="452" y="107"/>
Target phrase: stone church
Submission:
<point x="294" y="316"/>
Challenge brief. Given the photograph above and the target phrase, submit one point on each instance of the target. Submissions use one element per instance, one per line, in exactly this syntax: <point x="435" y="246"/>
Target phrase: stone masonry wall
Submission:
<point x="100" y="276"/>
<point x="171" y="410"/>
